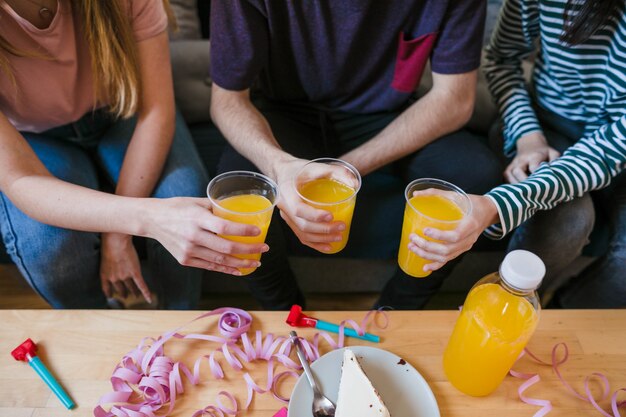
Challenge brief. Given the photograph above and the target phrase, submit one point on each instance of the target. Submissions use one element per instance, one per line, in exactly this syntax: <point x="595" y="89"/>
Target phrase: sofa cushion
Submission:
<point x="192" y="83"/>
<point x="190" y="62"/>
<point x="186" y="12"/>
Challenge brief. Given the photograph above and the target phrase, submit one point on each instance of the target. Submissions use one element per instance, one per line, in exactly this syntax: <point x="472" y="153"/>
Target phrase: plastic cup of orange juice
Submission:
<point x="244" y="197"/>
<point x="332" y="185"/>
<point x="429" y="203"/>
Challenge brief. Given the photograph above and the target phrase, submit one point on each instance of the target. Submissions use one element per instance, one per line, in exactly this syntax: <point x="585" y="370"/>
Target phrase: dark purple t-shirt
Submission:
<point x="358" y="56"/>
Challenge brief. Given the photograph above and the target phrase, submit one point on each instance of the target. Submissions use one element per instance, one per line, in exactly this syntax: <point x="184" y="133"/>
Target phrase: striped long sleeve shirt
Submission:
<point x="585" y="83"/>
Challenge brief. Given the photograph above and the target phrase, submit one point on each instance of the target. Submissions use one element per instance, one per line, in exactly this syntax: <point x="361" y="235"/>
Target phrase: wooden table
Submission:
<point x="82" y="348"/>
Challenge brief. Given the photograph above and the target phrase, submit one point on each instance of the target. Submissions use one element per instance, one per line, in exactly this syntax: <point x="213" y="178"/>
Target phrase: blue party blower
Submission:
<point x="27" y="352"/>
<point x="297" y="318"/>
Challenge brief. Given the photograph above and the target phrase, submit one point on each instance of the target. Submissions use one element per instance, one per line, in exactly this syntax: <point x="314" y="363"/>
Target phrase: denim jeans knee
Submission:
<point x="60" y="265"/>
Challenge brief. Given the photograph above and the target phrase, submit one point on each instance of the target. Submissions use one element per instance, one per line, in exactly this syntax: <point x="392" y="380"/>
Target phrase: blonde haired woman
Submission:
<point x="85" y="87"/>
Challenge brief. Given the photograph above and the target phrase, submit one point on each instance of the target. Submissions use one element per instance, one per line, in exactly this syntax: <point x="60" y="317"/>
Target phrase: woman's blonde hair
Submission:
<point x="114" y="58"/>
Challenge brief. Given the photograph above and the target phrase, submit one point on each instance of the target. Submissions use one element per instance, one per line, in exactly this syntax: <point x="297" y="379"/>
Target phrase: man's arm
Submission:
<point x="444" y="109"/>
<point x="247" y="130"/>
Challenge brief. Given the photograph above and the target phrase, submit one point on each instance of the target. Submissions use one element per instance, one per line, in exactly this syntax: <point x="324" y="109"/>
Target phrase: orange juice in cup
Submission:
<point x="244" y="197"/>
<point x="429" y="203"/>
<point x="332" y="185"/>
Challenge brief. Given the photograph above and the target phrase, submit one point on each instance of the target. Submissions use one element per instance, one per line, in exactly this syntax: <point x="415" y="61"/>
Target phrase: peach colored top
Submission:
<point x="58" y="91"/>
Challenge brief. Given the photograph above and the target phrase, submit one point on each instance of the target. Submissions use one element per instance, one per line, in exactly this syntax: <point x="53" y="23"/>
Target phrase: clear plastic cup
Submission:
<point x="332" y="185"/>
<point x="429" y="203"/>
<point x="244" y="197"/>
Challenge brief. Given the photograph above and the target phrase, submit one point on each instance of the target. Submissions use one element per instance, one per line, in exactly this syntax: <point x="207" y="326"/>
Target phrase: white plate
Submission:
<point x="402" y="388"/>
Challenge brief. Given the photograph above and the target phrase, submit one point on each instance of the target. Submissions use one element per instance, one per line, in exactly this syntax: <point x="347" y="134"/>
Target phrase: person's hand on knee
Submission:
<point x="532" y="151"/>
<point x="120" y="270"/>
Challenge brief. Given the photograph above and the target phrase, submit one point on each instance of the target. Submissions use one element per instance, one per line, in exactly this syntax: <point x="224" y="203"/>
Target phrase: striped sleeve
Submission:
<point x="588" y="165"/>
<point x="512" y="41"/>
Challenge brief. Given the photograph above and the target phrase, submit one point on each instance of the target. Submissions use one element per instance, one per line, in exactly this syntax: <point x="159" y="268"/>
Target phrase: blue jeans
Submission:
<point x="62" y="265"/>
<point x="559" y="235"/>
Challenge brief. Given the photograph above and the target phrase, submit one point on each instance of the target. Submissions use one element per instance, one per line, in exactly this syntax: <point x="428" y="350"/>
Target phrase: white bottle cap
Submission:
<point x="522" y="270"/>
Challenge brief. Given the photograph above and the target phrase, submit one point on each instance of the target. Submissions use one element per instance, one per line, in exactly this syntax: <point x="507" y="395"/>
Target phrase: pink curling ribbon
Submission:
<point x="147" y="381"/>
<point x="532" y="379"/>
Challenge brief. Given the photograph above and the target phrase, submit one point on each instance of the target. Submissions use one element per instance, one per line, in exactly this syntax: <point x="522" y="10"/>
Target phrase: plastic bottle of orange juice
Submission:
<point x="497" y="320"/>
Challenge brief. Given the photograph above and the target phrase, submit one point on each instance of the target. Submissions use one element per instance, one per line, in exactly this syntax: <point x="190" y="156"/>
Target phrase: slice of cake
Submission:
<point x="357" y="396"/>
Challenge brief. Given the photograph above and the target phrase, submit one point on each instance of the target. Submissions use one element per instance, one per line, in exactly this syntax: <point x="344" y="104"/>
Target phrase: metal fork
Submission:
<point x="322" y="406"/>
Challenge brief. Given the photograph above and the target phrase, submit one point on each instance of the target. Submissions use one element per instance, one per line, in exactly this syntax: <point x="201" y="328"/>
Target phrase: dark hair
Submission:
<point x="583" y="18"/>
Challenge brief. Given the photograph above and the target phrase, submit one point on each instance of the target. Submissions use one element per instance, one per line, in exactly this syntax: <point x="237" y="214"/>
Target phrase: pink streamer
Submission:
<point x="555" y="363"/>
<point x="147" y="381"/>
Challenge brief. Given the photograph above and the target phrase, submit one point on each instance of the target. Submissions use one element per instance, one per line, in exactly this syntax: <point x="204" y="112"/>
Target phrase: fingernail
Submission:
<point x="265" y="248"/>
<point x="328" y="218"/>
<point x="341" y="227"/>
<point x="337" y="238"/>
<point x="238" y="273"/>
